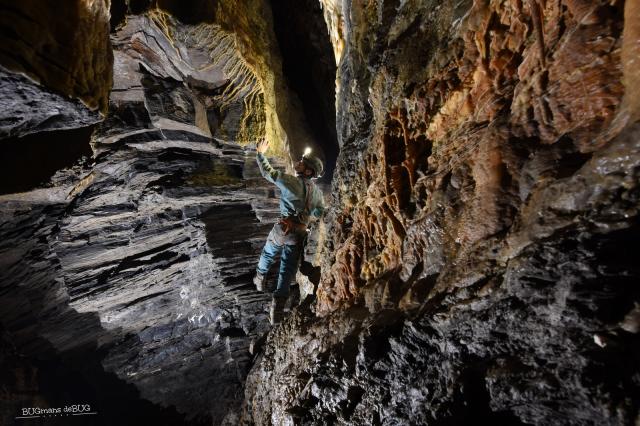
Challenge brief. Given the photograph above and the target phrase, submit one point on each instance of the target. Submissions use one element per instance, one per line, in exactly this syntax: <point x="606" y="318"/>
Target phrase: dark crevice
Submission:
<point x="309" y="68"/>
<point x="118" y="12"/>
<point x="143" y="298"/>
<point x="30" y="161"/>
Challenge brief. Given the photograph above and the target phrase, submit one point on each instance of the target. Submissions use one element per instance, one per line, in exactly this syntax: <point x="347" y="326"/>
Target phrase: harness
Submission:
<point x="296" y="223"/>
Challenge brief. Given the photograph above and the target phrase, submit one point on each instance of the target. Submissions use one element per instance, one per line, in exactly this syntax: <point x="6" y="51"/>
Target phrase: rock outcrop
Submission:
<point x="27" y="108"/>
<point x="64" y="46"/>
<point x="478" y="259"/>
<point x="249" y="27"/>
<point x="139" y="260"/>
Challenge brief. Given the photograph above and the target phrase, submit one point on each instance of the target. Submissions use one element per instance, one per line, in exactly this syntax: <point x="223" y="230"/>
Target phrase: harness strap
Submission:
<point x="307" y="196"/>
<point x="306" y="187"/>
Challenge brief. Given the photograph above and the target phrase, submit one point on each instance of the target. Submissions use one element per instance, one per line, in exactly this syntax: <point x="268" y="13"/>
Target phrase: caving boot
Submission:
<point x="277" y="310"/>
<point x="259" y="280"/>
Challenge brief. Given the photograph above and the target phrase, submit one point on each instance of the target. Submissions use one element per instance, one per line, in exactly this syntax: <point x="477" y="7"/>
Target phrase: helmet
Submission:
<point x="314" y="163"/>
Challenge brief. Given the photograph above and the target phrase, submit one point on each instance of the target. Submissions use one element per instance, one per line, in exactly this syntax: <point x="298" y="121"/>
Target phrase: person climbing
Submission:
<point x="300" y="200"/>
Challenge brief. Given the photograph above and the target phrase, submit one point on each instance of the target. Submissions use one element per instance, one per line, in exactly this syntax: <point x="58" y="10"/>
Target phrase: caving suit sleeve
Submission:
<point x="268" y="172"/>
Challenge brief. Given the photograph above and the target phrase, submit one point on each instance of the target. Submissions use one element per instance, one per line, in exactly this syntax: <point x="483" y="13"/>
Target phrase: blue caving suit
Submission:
<point x="300" y="199"/>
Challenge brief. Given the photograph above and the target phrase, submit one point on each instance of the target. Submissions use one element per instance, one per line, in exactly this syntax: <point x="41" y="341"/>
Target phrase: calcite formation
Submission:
<point x="478" y="263"/>
<point x="501" y="83"/>
<point x="332" y="10"/>
<point x="250" y="24"/>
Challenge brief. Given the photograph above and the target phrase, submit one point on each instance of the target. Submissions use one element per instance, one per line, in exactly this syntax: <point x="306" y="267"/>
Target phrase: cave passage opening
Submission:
<point x="309" y="68"/>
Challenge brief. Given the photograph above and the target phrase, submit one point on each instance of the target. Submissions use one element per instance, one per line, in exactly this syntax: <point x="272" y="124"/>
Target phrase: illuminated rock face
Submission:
<point x="136" y="267"/>
<point x="493" y="106"/>
<point x="62" y="45"/>
<point x="145" y="270"/>
<point x="478" y="262"/>
<point x="128" y="265"/>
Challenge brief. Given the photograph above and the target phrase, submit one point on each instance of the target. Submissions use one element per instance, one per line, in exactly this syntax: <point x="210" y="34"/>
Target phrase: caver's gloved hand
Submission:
<point x="262" y="146"/>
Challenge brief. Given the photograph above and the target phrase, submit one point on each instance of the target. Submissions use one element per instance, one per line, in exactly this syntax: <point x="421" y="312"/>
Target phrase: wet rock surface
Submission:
<point x="132" y="270"/>
<point x="485" y="202"/>
<point x="62" y="46"/>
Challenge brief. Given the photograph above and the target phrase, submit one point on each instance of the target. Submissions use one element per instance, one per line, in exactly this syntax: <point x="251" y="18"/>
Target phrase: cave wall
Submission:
<point x="56" y="70"/>
<point x="477" y="263"/>
<point x="126" y="259"/>
<point x="309" y="68"/>
<point x="252" y="26"/>
<point x="129" y="272"/>
<point x="477" y="260"/>
<point x="457" y="116"/>
<point x="62" y="46"/>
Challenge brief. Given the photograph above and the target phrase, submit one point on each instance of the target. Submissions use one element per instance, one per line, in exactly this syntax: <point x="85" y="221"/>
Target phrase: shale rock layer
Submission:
<point x="132" y="269"/>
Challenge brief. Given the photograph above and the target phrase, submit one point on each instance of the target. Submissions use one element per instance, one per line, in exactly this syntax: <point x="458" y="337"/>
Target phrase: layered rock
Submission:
<point x="550" y="336"/>
<point x="27" y="108"/>
<point x="477" y="260"/>
<point x="138" y="262"/>
<point x="485" y="204"/>
<point x="64" y="47"/>
<point x="250" y="27"/>
<point x="167" y="261"/>
<point x="152" y="259"/>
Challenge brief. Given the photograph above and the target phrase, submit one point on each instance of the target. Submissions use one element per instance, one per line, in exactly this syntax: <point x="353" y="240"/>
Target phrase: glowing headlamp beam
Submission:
<point x="307" y="151"/>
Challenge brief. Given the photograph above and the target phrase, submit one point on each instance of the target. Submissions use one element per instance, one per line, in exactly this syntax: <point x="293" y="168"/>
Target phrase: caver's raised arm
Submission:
<point x="268" y="172"/>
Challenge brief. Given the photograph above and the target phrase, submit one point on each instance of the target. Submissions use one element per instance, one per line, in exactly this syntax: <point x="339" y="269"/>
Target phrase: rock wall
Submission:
<point x="131" y="271"/>
<point x="250" y="23"/>
<point x="465" y="111"/>
<point x="308" y="66"/>
<point x="62" y="46"/>
<point x="478" y="258"/>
